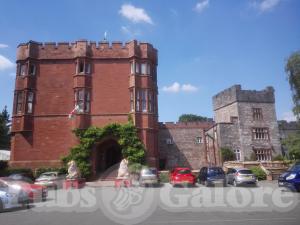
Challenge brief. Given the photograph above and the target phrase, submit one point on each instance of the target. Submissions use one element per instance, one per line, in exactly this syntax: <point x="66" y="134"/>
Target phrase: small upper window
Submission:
<point x="83" y="67"/>
<point x="19" y="102"/>
<point x="144" y="68"/>
<point x="32" y="69"/>
<point x="257" y="114"/>
<point x="199" y="140"/>
<point x="132" y="67"/>
<point x="23" y="69"/>
<point x="137" y="67"/>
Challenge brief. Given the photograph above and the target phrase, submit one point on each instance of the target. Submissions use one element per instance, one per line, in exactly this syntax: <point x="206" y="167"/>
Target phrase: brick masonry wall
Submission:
<point x="48" y="135"/>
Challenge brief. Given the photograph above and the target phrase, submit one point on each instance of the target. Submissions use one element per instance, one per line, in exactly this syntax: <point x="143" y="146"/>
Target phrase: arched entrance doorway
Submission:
<point x="106" y="154"/>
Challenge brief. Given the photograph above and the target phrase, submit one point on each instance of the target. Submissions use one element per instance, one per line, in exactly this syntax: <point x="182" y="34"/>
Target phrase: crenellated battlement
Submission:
<point x="84" y="48"/>
<point x="185" y="125"/>
<point x="236" y="94"/>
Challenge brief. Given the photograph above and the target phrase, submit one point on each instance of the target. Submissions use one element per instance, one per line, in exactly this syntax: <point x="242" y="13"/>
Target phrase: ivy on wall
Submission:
<point x="126" y="134"/>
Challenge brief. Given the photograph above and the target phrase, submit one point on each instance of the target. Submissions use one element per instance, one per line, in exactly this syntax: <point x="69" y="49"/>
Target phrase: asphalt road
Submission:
<point x="265" y="204"/>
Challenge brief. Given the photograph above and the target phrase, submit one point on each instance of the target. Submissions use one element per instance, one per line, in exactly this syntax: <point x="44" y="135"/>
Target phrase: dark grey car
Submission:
<point x="240" y="176"/>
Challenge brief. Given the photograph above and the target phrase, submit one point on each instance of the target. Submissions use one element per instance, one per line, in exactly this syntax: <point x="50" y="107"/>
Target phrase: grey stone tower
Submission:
<point x="246" y="122"/>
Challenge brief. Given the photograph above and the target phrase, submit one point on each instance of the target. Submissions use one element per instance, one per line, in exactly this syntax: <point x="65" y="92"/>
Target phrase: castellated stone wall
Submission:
<point x="179" y="144"/>
<point x="234" y="116"/>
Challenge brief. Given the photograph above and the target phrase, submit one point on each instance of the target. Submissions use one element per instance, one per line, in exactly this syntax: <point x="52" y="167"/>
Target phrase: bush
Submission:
<point x="39" y="171"/>
<point x="164" y="177"/>
<point x="278" y="158"/>
<point x="134" y="168"/>
<point x="227" y="154"/>
<point x="3" y="165"/>
<point x="259" y="173"/>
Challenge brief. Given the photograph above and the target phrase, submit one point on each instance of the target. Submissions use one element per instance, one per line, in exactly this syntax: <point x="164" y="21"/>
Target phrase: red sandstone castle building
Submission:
<point x="104" y="83"/>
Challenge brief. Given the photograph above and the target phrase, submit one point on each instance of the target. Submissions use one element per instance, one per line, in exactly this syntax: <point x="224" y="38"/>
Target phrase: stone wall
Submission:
<point x="183" y="149"/>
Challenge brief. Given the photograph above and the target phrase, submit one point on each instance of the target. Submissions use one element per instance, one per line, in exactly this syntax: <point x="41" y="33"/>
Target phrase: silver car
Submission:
<point x="51" y="179"/>
<point x="241" y="176"/>
<point x="149" y="176"/>
<point x="12" y="197"/>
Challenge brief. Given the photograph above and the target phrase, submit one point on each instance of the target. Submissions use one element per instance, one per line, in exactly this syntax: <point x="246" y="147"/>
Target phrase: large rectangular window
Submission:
<point x="82" y="100"/>
<point x="260" y="133"/>
<point x="131" y="101"/>
<point x="30" y="96"/>
<point x="263" y="154"/>
<point x="137" y="100"/>
<point x="150" y="101"/>
<point x="144" y="100"/>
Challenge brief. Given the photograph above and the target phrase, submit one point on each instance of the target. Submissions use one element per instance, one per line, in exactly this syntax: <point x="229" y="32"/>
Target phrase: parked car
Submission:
<point x="35" y="192"/>
<point x="212" y="176"/>
<point x="182" y="176"/>
<point x="291" y="178"/>
<point x="21" y="177"/>
<point x="51" y="179"/>
<point x="241" y="176"/>
<point x="149" y="176"/>
<point x="11" y="197"/>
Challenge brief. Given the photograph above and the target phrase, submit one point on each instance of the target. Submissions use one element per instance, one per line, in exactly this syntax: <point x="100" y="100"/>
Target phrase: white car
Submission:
<point x="11" y="197"/>
<point x="51" y="179"/>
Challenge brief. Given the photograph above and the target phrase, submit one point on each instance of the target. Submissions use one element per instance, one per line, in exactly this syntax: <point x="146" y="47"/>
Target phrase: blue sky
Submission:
<point x="204" y="46"/>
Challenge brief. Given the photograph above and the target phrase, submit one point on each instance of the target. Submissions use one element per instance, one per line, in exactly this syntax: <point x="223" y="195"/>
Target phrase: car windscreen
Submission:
<point x="215" y="171"/>
<point x="149" y="172"/>
<point x="184" y="171"/>
<point x="245" y="172"/>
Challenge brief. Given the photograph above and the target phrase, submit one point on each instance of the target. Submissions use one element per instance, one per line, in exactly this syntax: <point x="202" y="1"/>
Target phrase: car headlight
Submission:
<point x="291" y="176"/>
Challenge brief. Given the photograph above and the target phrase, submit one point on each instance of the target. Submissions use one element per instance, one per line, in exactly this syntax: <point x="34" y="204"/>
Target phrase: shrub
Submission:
<point x="39" y="171"/>
<point x="258" y="172"/>
<point x="227" y="154"/>
<point x="134" y="168"/>
<point x="278" y="158"/>
<point x="126" y="134"/>
<point x="164" y="177"/>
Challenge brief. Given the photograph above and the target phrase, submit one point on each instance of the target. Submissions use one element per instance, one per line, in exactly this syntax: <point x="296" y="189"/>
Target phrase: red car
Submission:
<point x="35" y="192"/>
<point x="182" y="176"/>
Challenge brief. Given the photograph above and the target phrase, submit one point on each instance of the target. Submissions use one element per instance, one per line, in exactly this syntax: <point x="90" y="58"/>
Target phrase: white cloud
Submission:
<point x="3" y="46"/>
<point x="200" y="6"/>
<point x="128" y="31"/>
<point x="189" y="88"/>
<point x="176" y="87"/>
<point x="265" y="5"/>
<point x="288" y="116"/>
<point x="135" y="14"/>
<point x="5" y="63"/>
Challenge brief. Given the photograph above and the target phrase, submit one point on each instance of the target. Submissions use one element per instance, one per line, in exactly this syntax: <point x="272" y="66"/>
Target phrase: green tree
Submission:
<point x="4" y="129"/>
<point x="192" y="118"/>
<point x="292" y="69"/>
<point x="292" y="142"/>
<point x="227" y="154"/>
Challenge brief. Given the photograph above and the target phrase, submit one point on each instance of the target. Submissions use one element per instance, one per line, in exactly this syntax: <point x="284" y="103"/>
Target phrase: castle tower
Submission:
<point x="246" y="123"/>
<point x="106" y="82"/>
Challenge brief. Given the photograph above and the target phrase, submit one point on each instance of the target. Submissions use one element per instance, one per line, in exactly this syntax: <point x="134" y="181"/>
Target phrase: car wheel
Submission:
<point x="234" y="183"/>
<point x="1" y="206"/>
